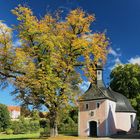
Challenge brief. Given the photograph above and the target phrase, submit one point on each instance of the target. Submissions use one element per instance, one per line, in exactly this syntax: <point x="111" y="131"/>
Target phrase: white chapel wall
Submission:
<point x="124" y="121"/>
<point x="110" y="117"/>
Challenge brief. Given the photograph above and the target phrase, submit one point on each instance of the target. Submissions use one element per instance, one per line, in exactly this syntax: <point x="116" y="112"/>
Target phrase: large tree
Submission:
<point x="43" y="69"/>
<point x="126" y="80"/>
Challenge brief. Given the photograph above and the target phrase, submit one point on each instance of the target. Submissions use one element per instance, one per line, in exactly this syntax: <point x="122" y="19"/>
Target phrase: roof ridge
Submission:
<point x="109" y="97"/>
<point x="101" y="91"/>
<point x="126" y="107"/>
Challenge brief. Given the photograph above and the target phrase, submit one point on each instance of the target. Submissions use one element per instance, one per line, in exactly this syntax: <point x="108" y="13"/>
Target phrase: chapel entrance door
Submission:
<point x="92" y="128"/>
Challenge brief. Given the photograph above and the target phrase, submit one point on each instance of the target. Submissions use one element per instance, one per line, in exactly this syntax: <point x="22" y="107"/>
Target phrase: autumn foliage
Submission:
<point x="43" y="68"/>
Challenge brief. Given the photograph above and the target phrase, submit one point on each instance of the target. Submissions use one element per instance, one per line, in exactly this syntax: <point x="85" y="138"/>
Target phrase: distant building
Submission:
<point x="104" y="112"/>
<point x="14" y="111"/>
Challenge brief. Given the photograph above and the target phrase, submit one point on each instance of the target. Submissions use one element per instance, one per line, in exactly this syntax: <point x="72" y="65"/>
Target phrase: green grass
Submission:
<point x="19" y="136"/>
<point x="37" y="137"/>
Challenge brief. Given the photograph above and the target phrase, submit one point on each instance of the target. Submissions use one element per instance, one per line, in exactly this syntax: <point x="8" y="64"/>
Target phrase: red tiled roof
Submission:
<point x="11" y="108"/>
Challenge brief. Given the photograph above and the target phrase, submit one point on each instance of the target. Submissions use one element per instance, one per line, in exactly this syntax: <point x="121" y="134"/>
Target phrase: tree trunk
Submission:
<point x="53" y="124"/>
<point x="53" y="130"/>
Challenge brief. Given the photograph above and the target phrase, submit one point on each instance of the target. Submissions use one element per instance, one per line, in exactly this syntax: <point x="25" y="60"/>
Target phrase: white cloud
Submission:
<point x="113" y="52"/>
<point x="17" y="43"/>
<point x="84" y="85"/>
<point x="4" y="29"/>
<point x="118" y="49"/>
<point x="114" y="58"/>
<point x="134" y="60"/>
<point x="117" y="62"/>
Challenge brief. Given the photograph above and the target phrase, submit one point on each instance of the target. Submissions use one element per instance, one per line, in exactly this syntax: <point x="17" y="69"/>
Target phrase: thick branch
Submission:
<point x="7" y="75"/>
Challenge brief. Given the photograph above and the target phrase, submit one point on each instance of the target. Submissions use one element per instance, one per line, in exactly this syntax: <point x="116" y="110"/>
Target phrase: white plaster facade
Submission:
<point x="124" y="121"/>
<point x="14" y="114"/>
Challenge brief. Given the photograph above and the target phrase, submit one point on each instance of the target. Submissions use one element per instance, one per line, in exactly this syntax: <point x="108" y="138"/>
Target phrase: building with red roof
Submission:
<point x="14" y="111"/>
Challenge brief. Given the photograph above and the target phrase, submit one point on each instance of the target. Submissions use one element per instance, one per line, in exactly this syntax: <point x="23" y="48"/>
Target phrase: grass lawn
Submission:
<point x="60" y="137"/>
<point x="36" y="137"/>
<point x="19" y="136"/>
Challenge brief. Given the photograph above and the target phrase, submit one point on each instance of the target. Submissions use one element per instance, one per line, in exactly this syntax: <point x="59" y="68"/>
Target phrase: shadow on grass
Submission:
<point x="74" y="134"/>
<point x="127" y="136"/>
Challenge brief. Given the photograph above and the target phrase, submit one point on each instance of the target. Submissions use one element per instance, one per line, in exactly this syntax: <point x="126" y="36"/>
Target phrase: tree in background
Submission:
<point x="25" y="111"/>
<point x="126" y="80"/>
<point x="73" y="113"/>
<point x="43" y="68"/>
<point x="68" y="120"/>
<point x="4" y="117"/>
<point x="35" y="115"/>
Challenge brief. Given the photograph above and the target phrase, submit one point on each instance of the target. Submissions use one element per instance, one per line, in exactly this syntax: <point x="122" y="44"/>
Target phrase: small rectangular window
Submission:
<point x="131" y="120"/>
<point x="98" y="105"/>
<point x="86" y="106"/>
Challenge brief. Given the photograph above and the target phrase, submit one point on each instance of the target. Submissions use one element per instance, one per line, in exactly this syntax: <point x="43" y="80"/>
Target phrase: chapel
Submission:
<point x="104" y="112"/>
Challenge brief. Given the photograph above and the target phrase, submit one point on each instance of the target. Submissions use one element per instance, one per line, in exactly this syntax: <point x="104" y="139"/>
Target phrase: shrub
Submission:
<point x="25" y="126"/>
<point x="20" y="127"/>
<point x="68" y="126"/>
<point x="45" y="132"/>
<point x="9" y="131"/>
<point x="34" y="126"/>
<point x="15" y="126"/>
<point x="44" y="123"/>
<point x="35" y="115"/>
<point x="4" y="117"/>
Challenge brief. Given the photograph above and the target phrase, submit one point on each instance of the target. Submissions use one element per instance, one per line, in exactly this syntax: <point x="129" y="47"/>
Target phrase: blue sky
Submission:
<point x="121" y="19"/>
